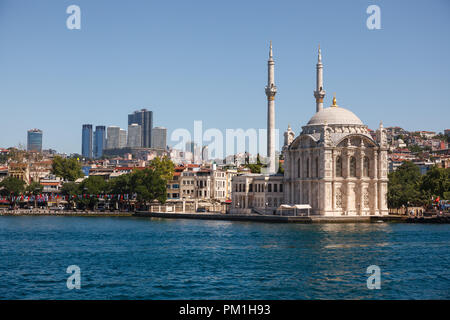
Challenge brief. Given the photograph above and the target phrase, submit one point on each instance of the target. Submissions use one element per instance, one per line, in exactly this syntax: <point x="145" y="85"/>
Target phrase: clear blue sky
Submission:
<point x="206" y="60"/>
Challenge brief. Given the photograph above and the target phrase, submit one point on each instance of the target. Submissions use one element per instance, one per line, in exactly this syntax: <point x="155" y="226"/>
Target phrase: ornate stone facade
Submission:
<point x="333" y="165"/>
<point x="336" y="168"/>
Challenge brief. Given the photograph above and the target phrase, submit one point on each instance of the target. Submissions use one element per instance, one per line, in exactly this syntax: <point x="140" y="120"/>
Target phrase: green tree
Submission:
<point x="90" y="188"/>
<point x="34" y="188"/>
<point x="163" y="166"/>
<point x="404" y="186"/>
<point x="68" y="169"/>
<point x="12" y="186"/>
<point x="436" y="182"/>
<point x="149" y="185"/>
<point x="70" y="189"/>
<point x="280" y="167"/>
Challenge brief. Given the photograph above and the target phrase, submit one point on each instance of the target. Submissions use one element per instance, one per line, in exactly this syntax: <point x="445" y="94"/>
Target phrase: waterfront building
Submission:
<point x="99" y="141"/>
<point x="34" y="140"/>
<point x="19" y="171"/>
<point x="334" y="166"/>
<point x="159" y="138"/>
<point x="134" y="135"/>
<point x="112" y="140"/>
<point x="144" y="118"/>
<point x="86" y="141"/>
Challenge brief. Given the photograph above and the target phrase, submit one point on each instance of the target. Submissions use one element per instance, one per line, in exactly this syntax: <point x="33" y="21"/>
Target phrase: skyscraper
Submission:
<point x="86" y="141"/>
<point x="144" y="118"/>
<point x="99" y="141"/>
<point x="34" y="140"/>
<point x="159" y="138"/>
<point x="134" y="136"/>
<point x="122" y="138"/>
<point x="112" y="141"/>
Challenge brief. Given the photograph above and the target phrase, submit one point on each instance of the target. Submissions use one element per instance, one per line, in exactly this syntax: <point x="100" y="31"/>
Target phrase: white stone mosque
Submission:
<point x="333" y="167"/>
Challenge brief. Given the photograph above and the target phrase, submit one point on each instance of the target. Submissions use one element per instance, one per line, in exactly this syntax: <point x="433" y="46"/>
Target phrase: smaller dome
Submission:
<point x="334" y="115"/>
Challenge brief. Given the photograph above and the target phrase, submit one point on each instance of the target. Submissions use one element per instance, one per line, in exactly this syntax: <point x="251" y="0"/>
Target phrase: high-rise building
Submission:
<point x="99" y="141"/>
<point x="144" y="118"/>
<point x="34" y="140"/>
<point x="112" y="140"/>
<point x="134" y="136"/>
<point x="159" y="138"/>
<point x="122" y="138"/>
<point x="86" y="141"/>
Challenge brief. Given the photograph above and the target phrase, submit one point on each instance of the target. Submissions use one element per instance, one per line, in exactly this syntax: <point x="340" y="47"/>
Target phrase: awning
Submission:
<point x="295" y="206"/>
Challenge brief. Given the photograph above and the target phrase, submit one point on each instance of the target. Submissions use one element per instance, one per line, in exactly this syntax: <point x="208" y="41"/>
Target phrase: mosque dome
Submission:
<point x="334" y="115"/>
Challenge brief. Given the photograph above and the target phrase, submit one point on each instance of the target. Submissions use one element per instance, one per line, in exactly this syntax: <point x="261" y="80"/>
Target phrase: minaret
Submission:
<point x="271" y="90"/>
<point x="319" y="94"/>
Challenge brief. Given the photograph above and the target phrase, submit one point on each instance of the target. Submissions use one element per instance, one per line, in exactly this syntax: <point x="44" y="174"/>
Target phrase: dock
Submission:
<point x="270" y="218"/>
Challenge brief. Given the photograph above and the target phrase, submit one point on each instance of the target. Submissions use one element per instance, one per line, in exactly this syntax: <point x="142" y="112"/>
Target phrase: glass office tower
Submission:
<point x="86" y="141"/>
<point x="144" y="118"/>
<point x="99" y="141"/>
<point x="34" y="140"/>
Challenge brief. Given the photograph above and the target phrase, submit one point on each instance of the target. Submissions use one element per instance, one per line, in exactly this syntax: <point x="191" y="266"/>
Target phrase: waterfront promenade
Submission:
<point x="231" y="217"/>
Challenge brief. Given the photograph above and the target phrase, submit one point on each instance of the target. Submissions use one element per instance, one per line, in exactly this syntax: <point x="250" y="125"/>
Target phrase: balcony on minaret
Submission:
<point x="271" y="91"/>
<point x="319" y="95"/>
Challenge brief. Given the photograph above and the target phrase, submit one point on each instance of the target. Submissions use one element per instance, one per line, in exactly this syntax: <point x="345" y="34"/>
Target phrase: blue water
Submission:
<point x="140" y="258"/>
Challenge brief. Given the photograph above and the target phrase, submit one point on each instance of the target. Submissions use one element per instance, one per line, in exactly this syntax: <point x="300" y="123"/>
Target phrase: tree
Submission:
<point x="70" y="189"/>
<point x="12" y="186"/>
<point x="280" y="167"/>
<point x="403" y="186"/>
<point x="149" y="185"/>
<point x="90" y="188"/>
<point x="35" y="188"/>
<point x="163" y="166"/>
<point x="68" y="169"/>
<point x="436" y="182"/>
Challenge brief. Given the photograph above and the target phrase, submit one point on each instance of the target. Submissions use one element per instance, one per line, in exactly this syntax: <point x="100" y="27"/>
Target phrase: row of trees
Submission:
<point x="408" y="187"/>
<point x="147" y="184"/>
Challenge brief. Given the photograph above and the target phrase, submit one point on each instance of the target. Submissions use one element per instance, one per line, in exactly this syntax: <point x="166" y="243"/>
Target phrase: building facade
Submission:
<point x="159" y="138"/>
<point x="144" y="118"/>
<point x="134" y="136"/>
<point x="86" y="141"/>
<point x="112" y="140"/>
<point x="34" y="140"/>
<point x="99" y="141"/>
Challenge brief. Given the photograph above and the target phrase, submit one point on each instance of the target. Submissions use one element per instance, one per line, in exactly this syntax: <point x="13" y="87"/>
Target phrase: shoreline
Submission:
<point x="238" y="217"/>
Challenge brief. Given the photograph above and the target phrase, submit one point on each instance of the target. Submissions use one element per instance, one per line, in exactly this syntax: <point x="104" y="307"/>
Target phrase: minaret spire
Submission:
<point x="270" y="51"/>
<point x="271" y="91"/>
<point x="319" y="93"/>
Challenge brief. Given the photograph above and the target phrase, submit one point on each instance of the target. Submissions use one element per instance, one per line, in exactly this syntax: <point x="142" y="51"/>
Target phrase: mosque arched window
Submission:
<point x="299" y="171"/>
<point x="316" y="164"/>
<point x="352" y="167"/>
<point x="338" y="167"/>
<point x="366" y="165"/>
<point x="307" y="168"/>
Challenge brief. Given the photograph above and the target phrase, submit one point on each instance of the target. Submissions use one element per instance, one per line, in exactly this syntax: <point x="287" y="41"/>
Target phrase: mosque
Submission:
<point x="333" y="167"/>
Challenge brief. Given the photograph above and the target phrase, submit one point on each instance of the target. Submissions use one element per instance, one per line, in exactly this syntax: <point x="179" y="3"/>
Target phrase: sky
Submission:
<point x="207" y="60"/>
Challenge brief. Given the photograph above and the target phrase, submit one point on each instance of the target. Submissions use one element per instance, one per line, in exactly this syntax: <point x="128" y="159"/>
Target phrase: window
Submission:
<point x="281" y="187"/>
<point x="317" y="167"/>
<point x="275" y="188"/>
<point x="338" y="167"/>
<point x="299" y="171"/>
<point x="352" y="167"/>
<point x="270" y="187"/>
<point x="250" y="188"/>
<point x="366" y="167"/>
<point x="307" y="168"/>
